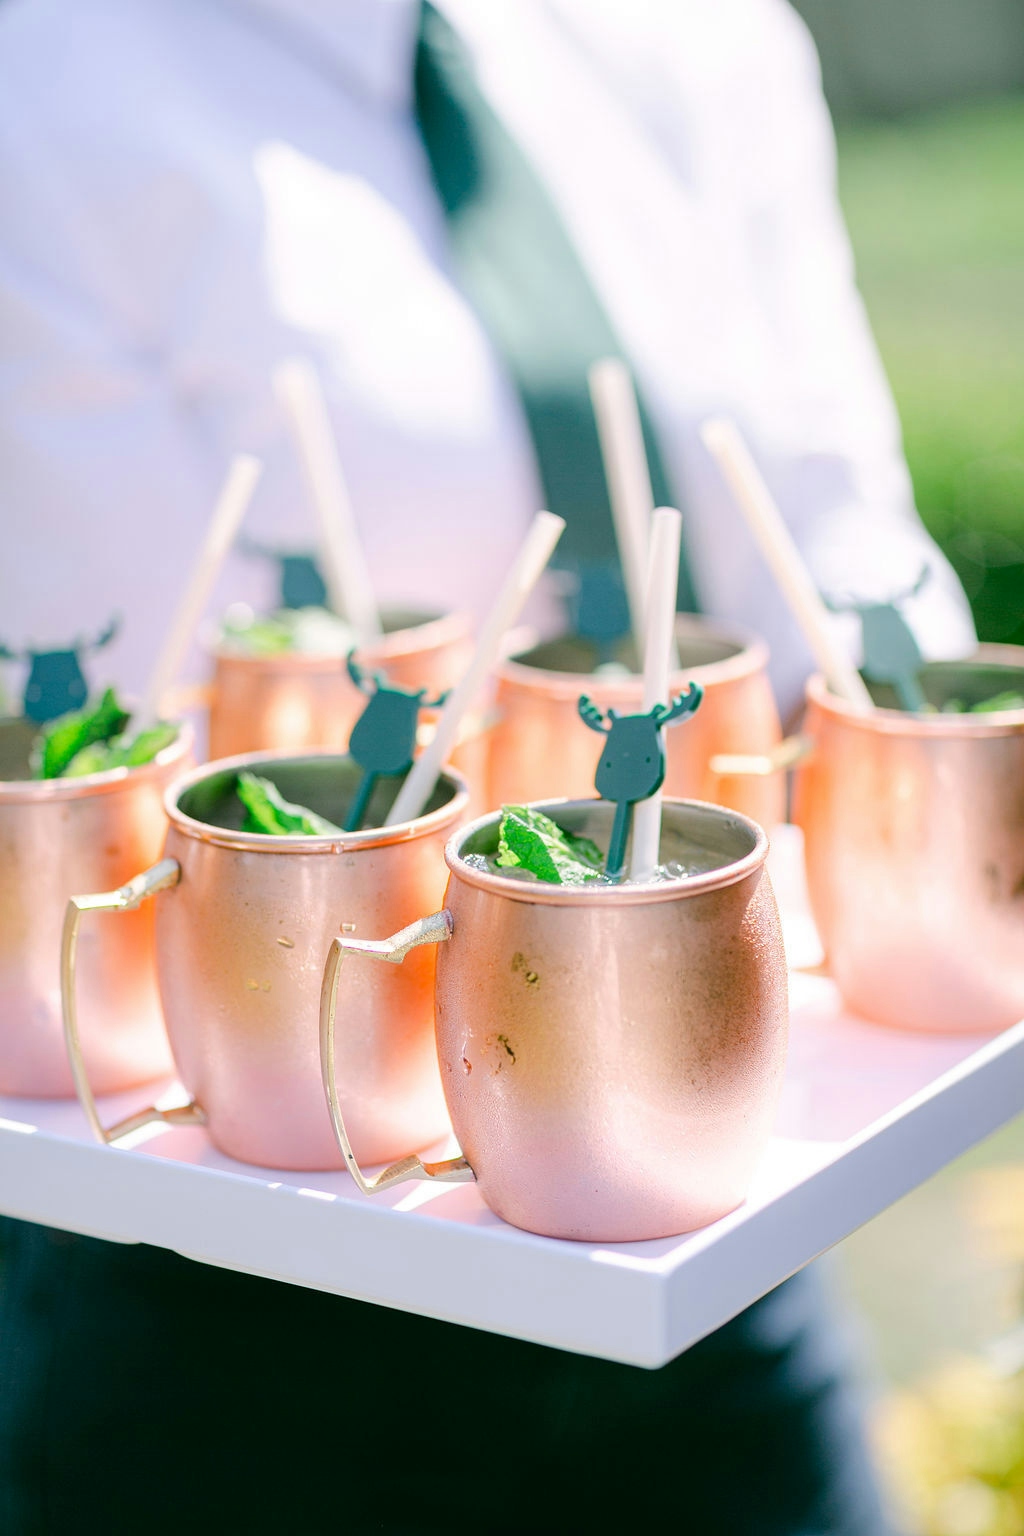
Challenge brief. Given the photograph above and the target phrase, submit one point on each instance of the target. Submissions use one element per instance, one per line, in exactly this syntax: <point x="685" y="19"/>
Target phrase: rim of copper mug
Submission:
<point x="26" y="791"/>
<point x="434" y="632"/>
<point x="628" y="894"/>
<point x="897" y="722"/>
<point x="750" y="658"/>
<point x="335" y="842"/>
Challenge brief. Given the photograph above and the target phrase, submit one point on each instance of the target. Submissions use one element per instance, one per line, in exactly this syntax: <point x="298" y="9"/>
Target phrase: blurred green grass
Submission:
<point x="935" y="208"/>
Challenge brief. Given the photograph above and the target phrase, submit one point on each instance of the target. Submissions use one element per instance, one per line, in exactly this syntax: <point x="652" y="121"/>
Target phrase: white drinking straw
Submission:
<point x="723" y="441"/>
<point x="621" y="435"/>
<point x="221" y="533"/>
<point x="346" y="574"/>
<point x="662" y="584"/>
<point x="629" y="481"/>
<point x="533" y="556"/>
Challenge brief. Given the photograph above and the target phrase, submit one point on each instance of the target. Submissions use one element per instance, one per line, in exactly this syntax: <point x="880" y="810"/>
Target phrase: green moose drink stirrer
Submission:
<point x="56" y="683"/>
<point x="632" y="765"/>
<point x="300" y="581"/>
<point x="631" y="769"/>
<point x="891" y="654"/>
<point x="598" y="609"/>
<point x="383" y="739"/>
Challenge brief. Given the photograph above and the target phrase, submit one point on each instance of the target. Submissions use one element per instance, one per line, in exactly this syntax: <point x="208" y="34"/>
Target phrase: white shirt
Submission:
<point x="193" y="189"/>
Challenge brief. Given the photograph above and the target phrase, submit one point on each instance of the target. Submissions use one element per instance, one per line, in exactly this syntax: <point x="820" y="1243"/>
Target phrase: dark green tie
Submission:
<point x="518" y="268"/>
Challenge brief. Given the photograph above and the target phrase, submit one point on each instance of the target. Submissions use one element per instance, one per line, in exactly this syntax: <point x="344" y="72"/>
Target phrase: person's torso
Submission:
<point x="251" y="183"/>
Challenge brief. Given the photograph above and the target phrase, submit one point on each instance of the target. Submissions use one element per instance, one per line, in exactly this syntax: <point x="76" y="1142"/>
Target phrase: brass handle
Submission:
<point x="185" y="696"/>
<point x="787" y="754"/>
<point x="436" y="929"/>
<point x="161" y="877"/>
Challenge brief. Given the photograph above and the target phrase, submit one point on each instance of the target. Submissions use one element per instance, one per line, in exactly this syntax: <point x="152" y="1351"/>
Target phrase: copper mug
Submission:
<point x="541" y="748"/>
<point x="611" y="1055"/>
<point x="241" y="929"/>
<point x="295" y="700"/>
<point x="59" y="836"/>
<point x="914" y="843"/>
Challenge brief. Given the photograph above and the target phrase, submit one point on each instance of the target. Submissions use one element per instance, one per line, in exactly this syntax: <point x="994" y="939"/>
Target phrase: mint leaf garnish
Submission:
<point x="527" y="839"/>
<point x="122" y="751"/>
<point x="1007" y="700"/>
<point x="62" y="739"/>
<point x="266" y="636"/>
<point x="268" y="811"/>
<point x="289" y="629"/>
<point x="95" y="758"/>
<point x="148" y="743"/>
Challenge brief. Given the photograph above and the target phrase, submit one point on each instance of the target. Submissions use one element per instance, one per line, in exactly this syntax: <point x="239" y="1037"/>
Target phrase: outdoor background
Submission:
<point x="928" y="98"/>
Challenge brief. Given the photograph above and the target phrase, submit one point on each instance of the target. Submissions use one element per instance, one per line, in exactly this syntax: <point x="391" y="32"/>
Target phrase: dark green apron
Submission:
<point x="516" y="264"/>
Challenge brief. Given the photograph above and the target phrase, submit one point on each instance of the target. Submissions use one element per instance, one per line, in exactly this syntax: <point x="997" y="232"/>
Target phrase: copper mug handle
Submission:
<point x="161" y="877"/>
<point x="435" y="929"/>
<point x="789" y="753"/>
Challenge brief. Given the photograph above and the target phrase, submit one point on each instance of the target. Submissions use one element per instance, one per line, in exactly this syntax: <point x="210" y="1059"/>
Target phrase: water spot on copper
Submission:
<point x="252" y="984"/>
<point x="287" y="943"/>
<point x="503" y="1040"/>
<point x="467" y="1065"/>
<point x="532" y="978"/>
<point x="348" y="928"/>
<point x="518" y="962"/>
<point x="264" y="986"/>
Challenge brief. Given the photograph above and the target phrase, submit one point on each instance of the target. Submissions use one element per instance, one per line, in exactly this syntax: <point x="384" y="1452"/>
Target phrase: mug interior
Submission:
<point x="581" y="656"/>
<point x="393" y="620"/>
<point x="16" y="738"/>
<point x="324" y="783"/>
<point x="969" y="682"/>
<point x="706" y="839"/>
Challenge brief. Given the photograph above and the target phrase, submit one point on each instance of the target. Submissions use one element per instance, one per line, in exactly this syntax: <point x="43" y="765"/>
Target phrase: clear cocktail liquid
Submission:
<point x="699" y="863"/>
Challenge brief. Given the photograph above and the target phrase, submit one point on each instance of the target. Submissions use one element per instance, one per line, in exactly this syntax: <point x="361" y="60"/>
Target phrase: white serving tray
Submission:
<point x="866" y="1115"/>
